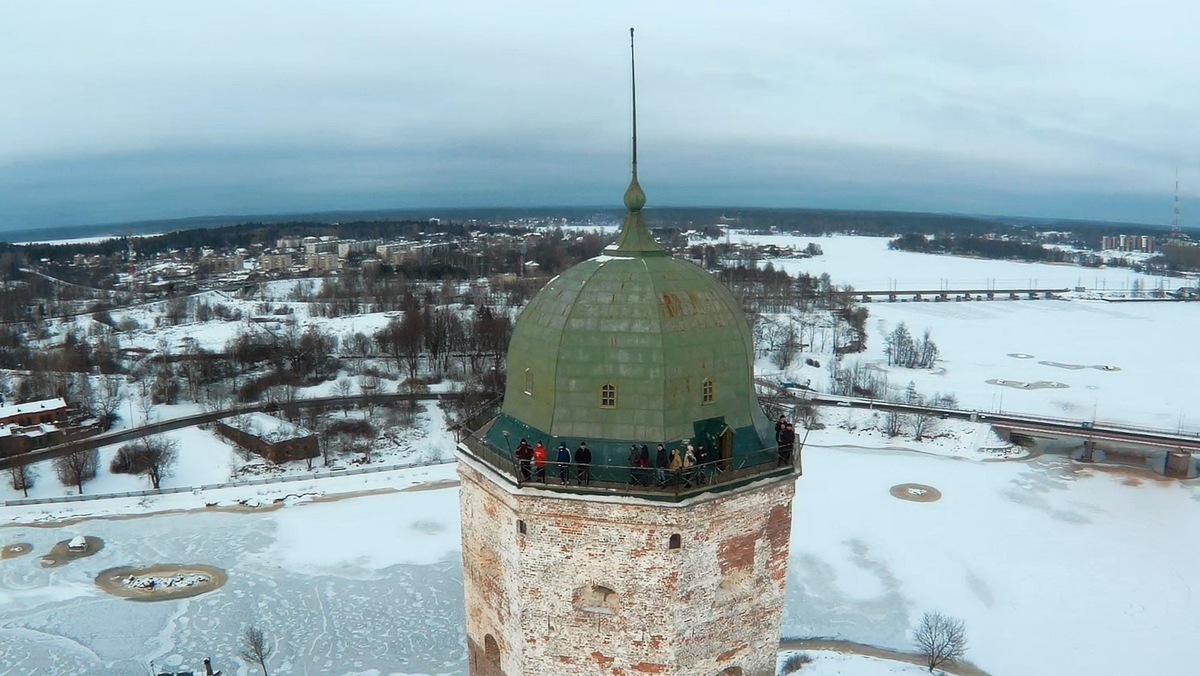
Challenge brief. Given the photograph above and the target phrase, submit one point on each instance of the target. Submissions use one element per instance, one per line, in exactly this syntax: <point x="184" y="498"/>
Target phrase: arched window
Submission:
<point x="608" y="396"/>
<point x="675" y="542"/>
<point x="529" y="382"/>
<point x="707" y="393"/>
<point x="491" y="649"/>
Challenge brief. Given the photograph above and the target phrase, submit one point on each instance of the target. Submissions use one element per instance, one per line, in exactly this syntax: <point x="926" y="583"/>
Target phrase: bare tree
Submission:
<point x="787" y="345"/>
<point x="254" y="648"/>
<point x="146" y="406"/>
<point x="368" y="384"/>
<point x="323" y="440"/>
<point x="940" y="639"/>
<point x="76" y="467"/>
<point x="22" y="478"/>
<point x="343" y="387"/>
<point x="921" y="422"/>
<point x="893" y="421"/>
<point x="106" y="400"/>
<point x="158" y="455"/>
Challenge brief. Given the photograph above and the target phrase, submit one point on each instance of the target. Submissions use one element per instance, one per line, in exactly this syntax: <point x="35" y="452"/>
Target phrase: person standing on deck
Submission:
<point x="662" y="461"/>
<point x="564" y="464"/>
<point x="539" y="461"/>
<point x="524" y="457"/>
<point x="583" y="459"/>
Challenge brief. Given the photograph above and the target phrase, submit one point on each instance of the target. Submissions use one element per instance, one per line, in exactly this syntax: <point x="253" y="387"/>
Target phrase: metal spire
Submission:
<point x="634" y="237"/>
<point x="633" y="87"/>
<point x="635" y="199"/>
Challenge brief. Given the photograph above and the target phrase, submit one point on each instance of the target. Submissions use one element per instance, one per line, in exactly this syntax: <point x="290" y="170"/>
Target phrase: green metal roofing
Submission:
<point x="653" y="326"/>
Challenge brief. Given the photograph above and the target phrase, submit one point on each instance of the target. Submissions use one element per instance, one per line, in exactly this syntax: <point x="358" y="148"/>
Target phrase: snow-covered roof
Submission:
<point x="269" y="428"/>
<point x="32" y="407"/>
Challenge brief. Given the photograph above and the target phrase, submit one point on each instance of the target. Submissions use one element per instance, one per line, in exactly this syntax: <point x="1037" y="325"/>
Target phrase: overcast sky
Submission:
<point x="134" y="110"/>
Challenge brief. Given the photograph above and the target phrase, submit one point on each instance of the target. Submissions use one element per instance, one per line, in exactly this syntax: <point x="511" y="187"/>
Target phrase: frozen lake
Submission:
<point x="1041" y="554"/>
<point x="1143" y="345"/>
<point x="372" y="582"/>
<point x="866" y="263"/>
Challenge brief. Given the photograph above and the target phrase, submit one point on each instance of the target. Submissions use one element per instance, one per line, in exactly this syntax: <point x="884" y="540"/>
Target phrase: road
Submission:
<point x="121" y="436"/>
<point x="1028" y="425"/>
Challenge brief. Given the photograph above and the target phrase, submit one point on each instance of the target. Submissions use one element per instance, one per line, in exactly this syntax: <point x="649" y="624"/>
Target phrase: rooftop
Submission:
<point x="269" y="428"/>
<point x="32" y="407"/>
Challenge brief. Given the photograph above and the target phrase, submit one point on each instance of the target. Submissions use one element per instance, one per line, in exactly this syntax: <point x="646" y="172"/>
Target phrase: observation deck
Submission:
<point x="649" y="483"/>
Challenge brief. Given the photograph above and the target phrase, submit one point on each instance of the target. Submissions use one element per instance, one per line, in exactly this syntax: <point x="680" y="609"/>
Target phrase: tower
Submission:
<point x="630" y="571"/>
<point x="1177" y="216"/>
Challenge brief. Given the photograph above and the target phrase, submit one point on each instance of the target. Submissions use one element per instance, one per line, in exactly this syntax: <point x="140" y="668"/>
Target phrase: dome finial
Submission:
<point x="635" y="238"/>
<point x="635" y="198"/>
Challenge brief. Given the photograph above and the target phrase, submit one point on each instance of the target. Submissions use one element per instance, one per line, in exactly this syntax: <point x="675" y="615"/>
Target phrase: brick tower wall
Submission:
<point x="594" y="586"/>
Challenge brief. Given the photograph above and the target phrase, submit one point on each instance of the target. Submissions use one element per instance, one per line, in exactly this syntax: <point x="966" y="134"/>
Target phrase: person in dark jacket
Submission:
<point x="644" y="463"/>
<point x="524" y="457"/>
<point x="635" y="464"/>
<point x="583" y="460"/>
<point x="789" y="445"/>
<point x="702" y="467"/>
<point x="564" y="464"/>
<point x="779" y="427"/>
<point x="662" y="461"/>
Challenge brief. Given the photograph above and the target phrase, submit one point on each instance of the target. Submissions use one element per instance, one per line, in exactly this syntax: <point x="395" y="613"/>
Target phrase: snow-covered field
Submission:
<point x="867" y="264"/>
<point x="207" y="458"/>
<point x="1144" y="344"/>
<point x="1055" y="568"/>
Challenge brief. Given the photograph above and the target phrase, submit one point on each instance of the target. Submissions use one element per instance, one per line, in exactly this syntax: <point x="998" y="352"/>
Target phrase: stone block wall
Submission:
<point x="561" y="584"/>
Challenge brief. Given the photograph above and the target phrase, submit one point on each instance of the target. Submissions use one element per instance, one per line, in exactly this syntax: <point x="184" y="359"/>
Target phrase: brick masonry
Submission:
<point x="592" y="586"/>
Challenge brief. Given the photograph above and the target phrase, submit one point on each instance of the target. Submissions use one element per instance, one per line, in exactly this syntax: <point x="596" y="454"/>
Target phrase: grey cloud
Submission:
<point x="137" y="110"/>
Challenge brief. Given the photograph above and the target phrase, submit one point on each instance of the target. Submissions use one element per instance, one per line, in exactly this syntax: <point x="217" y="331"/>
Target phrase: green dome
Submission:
<point x="668" y="337"/>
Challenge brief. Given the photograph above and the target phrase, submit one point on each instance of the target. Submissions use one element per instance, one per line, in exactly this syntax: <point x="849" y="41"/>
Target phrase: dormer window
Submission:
<point x="608" y="396"/>
<point x="707" y="392"/>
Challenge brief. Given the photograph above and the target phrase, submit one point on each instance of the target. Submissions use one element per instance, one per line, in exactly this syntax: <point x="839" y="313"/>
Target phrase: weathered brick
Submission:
<point x="544" y="597"/>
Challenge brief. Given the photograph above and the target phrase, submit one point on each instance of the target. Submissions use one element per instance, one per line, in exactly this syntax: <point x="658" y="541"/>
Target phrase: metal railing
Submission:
<point x="648" y="482"/>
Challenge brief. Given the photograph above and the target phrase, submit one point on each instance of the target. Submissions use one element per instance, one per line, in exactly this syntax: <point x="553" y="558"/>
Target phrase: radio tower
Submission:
<point x="1177" y="221"/>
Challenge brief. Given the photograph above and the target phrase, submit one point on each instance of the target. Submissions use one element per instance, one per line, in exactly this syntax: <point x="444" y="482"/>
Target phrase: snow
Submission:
<point x="833" y="663"/>
<point x="1043" y="554"/>
<point x="855" y="428"/>
<point x="1120" y="362"/>
<point x="867" y="264"/>
<point x="168" y="581"/>
<point x="337" y="538"/>
<point x="977" y="339"/>
<point x="1046" y="560"/>
<point x="31" y="407"/>
<point x="269" y="428"/>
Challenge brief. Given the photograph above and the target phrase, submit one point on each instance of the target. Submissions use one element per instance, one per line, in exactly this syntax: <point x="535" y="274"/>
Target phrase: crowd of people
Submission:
<point x="687" y="465"/>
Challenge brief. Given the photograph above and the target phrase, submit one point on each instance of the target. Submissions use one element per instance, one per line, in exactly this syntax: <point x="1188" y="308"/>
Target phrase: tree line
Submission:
<point x="981" y="247"/>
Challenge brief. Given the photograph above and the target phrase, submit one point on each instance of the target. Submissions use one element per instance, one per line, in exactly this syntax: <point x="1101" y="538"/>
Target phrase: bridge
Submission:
<point x="944" y="295"/>
<point x="1178" y="445"/>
